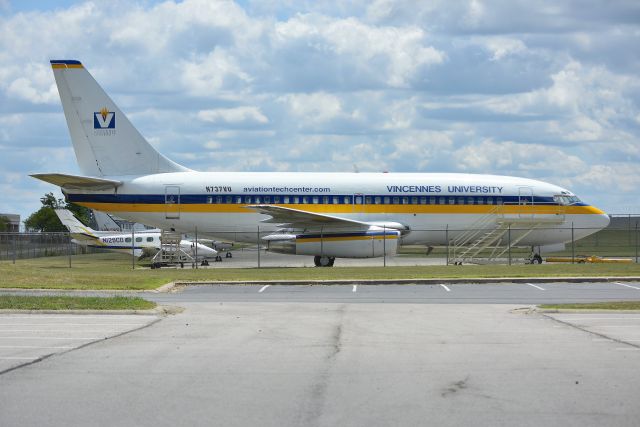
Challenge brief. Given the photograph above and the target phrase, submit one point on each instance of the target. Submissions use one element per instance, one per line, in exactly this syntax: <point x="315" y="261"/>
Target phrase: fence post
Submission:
<point x="133" y="248"/>
<point x="14" y="248"/>
<point x="573" y="246"/>
<point x="69" y="247"/>
<point x="509" y="244"/>
<point x="636" y="242"/>
<point x="196" y="247"/>
<point x="446" y="237"/>
<point x="384" y="245"/>
<point x="258" y="246"/>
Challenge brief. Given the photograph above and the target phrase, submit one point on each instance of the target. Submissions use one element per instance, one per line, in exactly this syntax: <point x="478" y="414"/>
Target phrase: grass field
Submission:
<point x="113" y="271"/>
<point x="614" y="305"/>
<point x="20" y="302"/>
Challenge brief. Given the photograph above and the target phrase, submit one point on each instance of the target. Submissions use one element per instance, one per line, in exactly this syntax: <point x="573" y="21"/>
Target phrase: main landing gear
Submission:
<point x="323" y="261"/>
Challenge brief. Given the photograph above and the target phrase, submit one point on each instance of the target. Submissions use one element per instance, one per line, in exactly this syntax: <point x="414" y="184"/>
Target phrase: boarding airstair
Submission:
<point x="171" y="253"/>
<point x="494" y="234"/>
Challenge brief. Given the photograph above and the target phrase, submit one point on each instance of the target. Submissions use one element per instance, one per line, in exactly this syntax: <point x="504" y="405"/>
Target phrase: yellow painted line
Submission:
<point x="341" y="239"/>
<point x="348" y="209"/>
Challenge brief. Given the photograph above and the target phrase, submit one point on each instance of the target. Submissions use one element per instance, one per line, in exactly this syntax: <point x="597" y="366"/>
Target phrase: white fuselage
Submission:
<point x="434" y="207"/>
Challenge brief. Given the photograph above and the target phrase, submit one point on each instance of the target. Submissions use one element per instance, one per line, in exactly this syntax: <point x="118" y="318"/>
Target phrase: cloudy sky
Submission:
<point x="545" y="89"/>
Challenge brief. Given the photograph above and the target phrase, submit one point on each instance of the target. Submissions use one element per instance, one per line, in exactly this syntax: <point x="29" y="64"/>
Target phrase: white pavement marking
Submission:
<point x="627" y="349"/>
<point x="355" y="288"/>
<point x="19" y="358"/>
<point x="52" y="338"/>
<point x="628" y="286"/>
<point x="36" y="346"/>
<point x="446" y="288"/>
<point x="73" y="324"/>
<point x="535" y="286"/>
<point x="263" y="288"/>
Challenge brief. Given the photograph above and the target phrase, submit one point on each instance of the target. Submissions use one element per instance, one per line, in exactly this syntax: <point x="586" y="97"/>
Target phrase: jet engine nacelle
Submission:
<point x="375" y="242"/>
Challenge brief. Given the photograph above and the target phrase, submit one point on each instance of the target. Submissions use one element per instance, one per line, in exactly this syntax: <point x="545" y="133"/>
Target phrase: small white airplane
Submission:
<point x="324" y="215"/>
<point x="122" y="242"/>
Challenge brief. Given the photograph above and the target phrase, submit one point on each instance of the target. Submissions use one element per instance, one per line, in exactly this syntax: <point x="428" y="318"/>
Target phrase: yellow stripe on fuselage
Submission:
<point x="350" y="209"/>
<point x="342" y="239"/>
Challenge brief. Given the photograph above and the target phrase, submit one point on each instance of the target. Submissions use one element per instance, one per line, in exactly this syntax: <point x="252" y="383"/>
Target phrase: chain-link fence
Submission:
<point x="14" y="246"/>
<point x="504" y="245"/>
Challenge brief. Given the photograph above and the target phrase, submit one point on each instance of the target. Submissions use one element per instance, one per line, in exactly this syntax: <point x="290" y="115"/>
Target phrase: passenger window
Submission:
<point x="138" y="239"/>
<point x="414" y="200"/>
<point x="257" y="199"/>
<point x="432" y="200"/>
<point x="347" y="200"/>
<point x="387" y="200"/>
<point x="442" y="201"/>
<point x="469" y="200"/>
<point x="489" y="200"/>
<point x="396" y="200"/>
<point x="358" y="200"/>
<point x="423" y="200"/>
<point x="209" y="199"/>
<point x="247" y="199"/>
<point x="219" y="199"/>
<point x="286" y="199"/>
<point x="479" y="201"/>
<point x="336" y="200"/>
<point x="377" y="200"/>
<point x="367" y="200"/>
<point x="296" y="200"/>
<point x="325" y="200"/>
<point x="276" y="199"/>
<point x="452" y="200"/>
<point x="316" y="200"/>
<point x="227" y="199"/>
<point x="238" y="199"/>
<point x="127" y="239"/>
<point x="149" y="239"/>
<point x="461" y="200"/>
<point x="267" y="199"/>
<point x="499" y="200"/>
<point x="405" y="200"/>
<point x="305" y="200"/>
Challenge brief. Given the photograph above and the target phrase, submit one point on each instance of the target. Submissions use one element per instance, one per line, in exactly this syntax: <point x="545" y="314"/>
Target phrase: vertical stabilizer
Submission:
<point x="105" y="142"/>
<point x="74" y="226"/>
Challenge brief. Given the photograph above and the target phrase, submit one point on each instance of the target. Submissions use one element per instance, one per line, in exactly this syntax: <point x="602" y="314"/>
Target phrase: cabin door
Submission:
<point x="525" y="199"/>
<point x="172" y="201"/>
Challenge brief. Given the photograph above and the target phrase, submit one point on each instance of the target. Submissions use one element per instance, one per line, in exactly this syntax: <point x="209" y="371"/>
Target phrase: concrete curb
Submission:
<point x="161" y="310"/>
<point x="583" y="310"/>
<point x="435" y="281"/>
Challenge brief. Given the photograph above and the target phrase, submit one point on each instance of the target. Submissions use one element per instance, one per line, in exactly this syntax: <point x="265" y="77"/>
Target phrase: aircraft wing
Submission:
<point x="295" y="218"/>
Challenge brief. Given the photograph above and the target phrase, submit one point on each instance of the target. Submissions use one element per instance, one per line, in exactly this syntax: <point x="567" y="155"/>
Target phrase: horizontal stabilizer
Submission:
<point x="77" y="181"/>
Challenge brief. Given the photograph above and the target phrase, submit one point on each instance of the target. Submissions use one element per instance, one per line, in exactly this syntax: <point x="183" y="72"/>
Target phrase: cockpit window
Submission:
<point x="565" y="200"/>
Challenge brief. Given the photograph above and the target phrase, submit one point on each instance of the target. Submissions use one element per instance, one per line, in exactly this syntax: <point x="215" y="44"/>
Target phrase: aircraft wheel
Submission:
<point x="537" y="259"/>
<point x="229" y="255"/>
<point x="323" y="261"/>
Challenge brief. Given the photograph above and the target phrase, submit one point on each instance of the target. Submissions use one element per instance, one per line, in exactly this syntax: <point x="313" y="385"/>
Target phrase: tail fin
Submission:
<point x="77" y="229"/>
<point x="105" y="142"/>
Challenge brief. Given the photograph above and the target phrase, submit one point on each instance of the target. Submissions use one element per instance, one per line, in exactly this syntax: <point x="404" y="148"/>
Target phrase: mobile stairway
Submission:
<point x="171" y="253"/>
<point x="493" y="235"/>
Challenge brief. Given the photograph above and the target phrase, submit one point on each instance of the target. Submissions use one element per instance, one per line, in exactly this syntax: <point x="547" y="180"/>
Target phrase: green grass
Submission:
<point x="20" y="302"/>
<point x="616" y="305"/>
<point x="113" y="271"/>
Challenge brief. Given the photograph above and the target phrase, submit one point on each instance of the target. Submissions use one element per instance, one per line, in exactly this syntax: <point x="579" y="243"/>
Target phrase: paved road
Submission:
<point x="502" y="293"/>
<point x="328" y="364"/>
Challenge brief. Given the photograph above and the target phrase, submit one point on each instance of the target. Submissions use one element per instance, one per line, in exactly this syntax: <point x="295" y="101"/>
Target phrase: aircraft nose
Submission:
<point x="602" y="221"/>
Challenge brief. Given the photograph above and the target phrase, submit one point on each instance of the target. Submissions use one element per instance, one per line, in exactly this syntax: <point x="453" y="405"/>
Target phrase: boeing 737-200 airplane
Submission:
<point x="325" y="215"/>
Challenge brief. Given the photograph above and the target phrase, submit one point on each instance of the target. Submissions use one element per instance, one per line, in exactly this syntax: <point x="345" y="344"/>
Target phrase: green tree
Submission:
<point x="4" y="223"/>
<point x="45" y="219"/>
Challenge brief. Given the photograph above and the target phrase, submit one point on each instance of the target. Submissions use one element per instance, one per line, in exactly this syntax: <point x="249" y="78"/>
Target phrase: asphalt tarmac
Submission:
<point x="373" y="355"/>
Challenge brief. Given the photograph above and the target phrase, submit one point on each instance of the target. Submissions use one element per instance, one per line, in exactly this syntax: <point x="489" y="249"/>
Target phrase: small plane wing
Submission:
<point x="295" y="218"/>
<point x="77" y="181"/>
